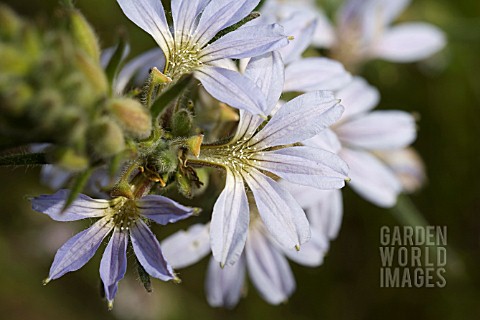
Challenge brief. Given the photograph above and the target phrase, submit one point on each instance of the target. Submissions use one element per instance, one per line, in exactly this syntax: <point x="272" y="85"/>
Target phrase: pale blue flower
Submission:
<point x="126" y="218"/>
<point x="260" y="151"/>
<point x="188" y="48"/>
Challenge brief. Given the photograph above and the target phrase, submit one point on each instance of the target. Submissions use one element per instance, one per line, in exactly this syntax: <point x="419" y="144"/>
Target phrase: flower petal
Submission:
<point x="114" y="263"/>
<point x="148" y="252"/>
<point x="83" y="207"/>
<point x="267" y="72"/>
<point x="247" y="125"/>
<point x="150" y="16"/>
<point x="409" y="42"/>
<point x="306" y="166"/>
<point x="79" y="249"/>
<point x="185" y="15"/>
<point x="301" y="26"/>
<point x="310" y="74"/>
<point x="224" y="286"/>
<point x="232" y="88"/>
<point x="238" y="44"/>
<point x="230" y="218"/>
<point x="268" y="269"/>
<point x="185" y="248"/>
<point x="139" y="66"/>
<point x="312" y="253"/>
<point x="299" y="119"/>
<point x="326" y="216"/>
<point x="372" y="179"/>
<point x="54" y="177"/>
<point x="379" y="130"/>
<point x="282" y="215"/>
<point x="326" y="140"/>
<point x="358" y="97"/>
<point x="162" y="210"/>
<point x="221" y="14"/>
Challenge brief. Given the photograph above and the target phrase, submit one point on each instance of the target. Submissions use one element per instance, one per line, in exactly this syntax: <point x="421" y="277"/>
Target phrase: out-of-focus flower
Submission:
<point x="263" y="257"/>
<point x="191" y="46"/>
<point x="259" y="151"/>
<point x="125" y="218"/>
<point x="360" y="134"/>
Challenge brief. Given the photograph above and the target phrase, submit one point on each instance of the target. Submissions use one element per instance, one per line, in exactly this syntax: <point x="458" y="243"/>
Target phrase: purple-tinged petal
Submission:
<point x="224" y="286"/>
<point x="379" y="130"/>
<point x="150" y="16"/>
<point x="282" y="215"/>
<point x="311" y="74"/>
<point x="79" y="249"/>
<point x="238" y="44"/>
<point x="324" y="36"/>
<point x="54" y="176"/>
<point x="185" y="248"/>
<point x="232" y="88"/>
<point x="114" y="263"/>
<point x="247" y="126"/>
<point x="138" y="68"/>
<point x="230" y="218"/>
<point x="268" y="269"/>
<point x="358" y="97"/>
<point x="83" y="207"/>
<point x="299" y="119"/>
<point x="185" y="14"/>
<point x="221" y="14"/>
<point x="148" y="252"/>
<point x="327" y="140"/>
<point x="306" y="166"/>
<point x="267" y="72"/>
<point x="409" y="42"/>
<point x="162" y="210"/>
<point x="372" y="179"/>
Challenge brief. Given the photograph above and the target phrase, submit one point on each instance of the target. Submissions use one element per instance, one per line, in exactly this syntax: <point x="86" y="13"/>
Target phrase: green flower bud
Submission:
<point x="182" y="123"/>
<point x="84" y="35"/>
<point x="167" y="161"/>
<point x="184" y="185"/>
<point x="68" y="159"/>
<point x="93" y="72"/>
<point x="132" y="116"/>
<point x="106" y="138"/>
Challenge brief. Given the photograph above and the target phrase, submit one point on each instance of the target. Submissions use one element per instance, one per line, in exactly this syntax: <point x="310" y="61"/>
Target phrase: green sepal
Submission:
<point x="144" y="277"/>
<point x="78" y="184"/>
<point x="27" y="159"/>
<point x="169" y="95"/>
<point x="250" y="17"/>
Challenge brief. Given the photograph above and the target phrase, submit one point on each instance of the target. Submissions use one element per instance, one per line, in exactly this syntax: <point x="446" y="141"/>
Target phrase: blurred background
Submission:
<point x="445" y="93"/>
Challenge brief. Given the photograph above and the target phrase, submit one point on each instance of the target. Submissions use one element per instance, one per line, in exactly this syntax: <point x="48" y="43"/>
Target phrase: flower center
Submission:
<point x="184" y="59"/>
<point x="124" y="213"/>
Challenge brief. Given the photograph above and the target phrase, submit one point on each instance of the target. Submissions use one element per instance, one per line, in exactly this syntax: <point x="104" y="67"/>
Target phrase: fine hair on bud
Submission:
<point x="106" y="138"/>
<point x="132" y="116"/>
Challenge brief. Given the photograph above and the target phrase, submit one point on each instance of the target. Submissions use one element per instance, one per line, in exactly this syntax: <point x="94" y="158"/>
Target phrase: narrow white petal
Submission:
<point x="327" y="140"/>
<point x="268" y="269"/>
<point x="282" y="215"/>
<point x="379" y="130"/>
<point x="230" y="218"/>
<point x="299" y="119"/>
<point x="224" y="286"/>
<point x="310" y="74"/>
<point x="312" y="253"/>
<point x="150" y="16"/>
<point x="358" y="97"/>
<point x="372" y="179"/>
<point x="185" y="248"/>
<point x="409" y="42"/>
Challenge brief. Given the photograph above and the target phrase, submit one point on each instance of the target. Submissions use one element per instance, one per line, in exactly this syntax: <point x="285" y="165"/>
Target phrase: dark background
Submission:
<point x="444" y="90"/>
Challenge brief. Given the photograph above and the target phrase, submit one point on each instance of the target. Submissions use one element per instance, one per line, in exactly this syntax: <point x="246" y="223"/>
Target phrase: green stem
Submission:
<point x="28" y="159"/>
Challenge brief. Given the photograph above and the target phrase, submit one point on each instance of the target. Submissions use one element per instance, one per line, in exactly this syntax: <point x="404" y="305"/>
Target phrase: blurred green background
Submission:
<point x="444" y="91"/>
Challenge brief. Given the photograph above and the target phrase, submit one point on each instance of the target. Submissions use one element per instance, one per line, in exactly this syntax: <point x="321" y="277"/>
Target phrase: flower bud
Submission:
<point x="167" y="161"/>
<point x="84" y="35"/>
<point x="182" y="123"/>
<point x="184" y="185"/>
<point x="106" y="138"/>
<point x="10" y="23"/>
<point x="132" y="116"/>
<point x="93" y="72"/>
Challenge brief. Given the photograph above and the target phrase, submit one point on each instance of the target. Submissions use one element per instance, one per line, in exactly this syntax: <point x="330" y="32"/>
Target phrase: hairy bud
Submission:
<point x="106" y="138"/>
<point x="182" y="123"/>
<point x="84" y="35"/>
<point x="93" y="72"/>
<point x="132" y="116"/>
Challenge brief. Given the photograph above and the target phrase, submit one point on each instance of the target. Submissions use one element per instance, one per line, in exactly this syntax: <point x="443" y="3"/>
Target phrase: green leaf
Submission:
<point x="117" y="59"/>
<point x="169" y="95"/>
<point x="77" y="187"/>
<point x="27" y="159"/>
